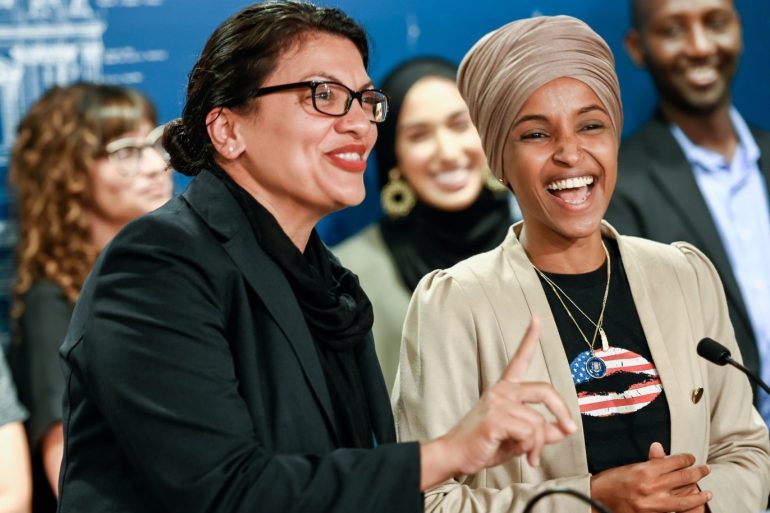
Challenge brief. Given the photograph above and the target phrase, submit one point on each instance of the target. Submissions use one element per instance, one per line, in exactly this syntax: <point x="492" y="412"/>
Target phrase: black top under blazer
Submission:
<point x="193" y="383"/>
<point x="657" y="197"/>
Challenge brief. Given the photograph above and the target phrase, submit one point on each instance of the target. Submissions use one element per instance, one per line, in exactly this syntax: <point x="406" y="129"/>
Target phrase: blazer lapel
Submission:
<point x="673" y="176"/>
<point x="763" y="142"/>
<point x="669" y="367"/>
<point x="554" y="357"/>
<point x="211" y="200"/>
<point x="376" y="391"/>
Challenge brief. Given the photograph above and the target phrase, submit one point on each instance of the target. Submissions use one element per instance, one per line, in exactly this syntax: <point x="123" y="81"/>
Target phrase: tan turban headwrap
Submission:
<point x="502" y="70"/>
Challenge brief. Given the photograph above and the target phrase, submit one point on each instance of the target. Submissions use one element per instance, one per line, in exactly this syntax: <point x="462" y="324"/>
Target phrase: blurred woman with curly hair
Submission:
<point x="87" y="160"/>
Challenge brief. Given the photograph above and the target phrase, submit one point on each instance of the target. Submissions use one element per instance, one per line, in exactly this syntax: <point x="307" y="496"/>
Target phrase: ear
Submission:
<point x="222" y="126"/>
<point x="633" y="44"/>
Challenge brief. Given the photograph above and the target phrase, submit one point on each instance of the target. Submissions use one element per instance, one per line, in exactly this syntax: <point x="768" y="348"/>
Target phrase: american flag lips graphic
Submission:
<point x="619" y="361"/>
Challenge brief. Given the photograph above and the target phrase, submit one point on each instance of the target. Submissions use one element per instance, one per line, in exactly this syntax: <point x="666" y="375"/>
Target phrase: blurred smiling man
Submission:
<point x="693" y="172"/>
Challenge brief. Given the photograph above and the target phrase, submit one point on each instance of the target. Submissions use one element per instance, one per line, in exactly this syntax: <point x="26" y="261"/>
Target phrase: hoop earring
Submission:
<point x="397" y="197"/>
<point x="492" y="183"/>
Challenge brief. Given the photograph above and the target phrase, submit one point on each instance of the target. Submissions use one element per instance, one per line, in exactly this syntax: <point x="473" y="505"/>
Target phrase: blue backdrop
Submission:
<point x="404" y="28"/>
<point x="152" y="44"/>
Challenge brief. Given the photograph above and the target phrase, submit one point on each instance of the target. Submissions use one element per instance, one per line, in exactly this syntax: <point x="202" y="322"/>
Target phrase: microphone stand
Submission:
<point x="748" y="373"/>
<point x="716" y="353"/>
<point x="566" y="491"/>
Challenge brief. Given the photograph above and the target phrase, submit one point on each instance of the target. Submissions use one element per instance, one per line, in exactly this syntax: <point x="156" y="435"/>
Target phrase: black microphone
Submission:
<point x="567" y="491"/>
<point x="716" y="353"/>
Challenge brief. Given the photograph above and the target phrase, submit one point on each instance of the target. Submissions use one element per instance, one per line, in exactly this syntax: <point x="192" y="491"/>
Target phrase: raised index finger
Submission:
<point x="517" y="367"/>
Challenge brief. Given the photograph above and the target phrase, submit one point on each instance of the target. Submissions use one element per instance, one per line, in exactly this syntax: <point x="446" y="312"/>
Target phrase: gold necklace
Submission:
<point x="595" y="366"/>
<point x="603" y="336"/>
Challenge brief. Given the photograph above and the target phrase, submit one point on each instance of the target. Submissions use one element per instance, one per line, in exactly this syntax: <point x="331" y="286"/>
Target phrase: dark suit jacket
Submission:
<point x="193" y="383"/>
<point x="657" y="197"/>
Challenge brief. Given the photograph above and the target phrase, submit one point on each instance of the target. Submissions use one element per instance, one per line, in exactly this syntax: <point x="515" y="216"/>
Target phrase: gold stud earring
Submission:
<point x="492" y="183"/>
<point x="397" y="197"/>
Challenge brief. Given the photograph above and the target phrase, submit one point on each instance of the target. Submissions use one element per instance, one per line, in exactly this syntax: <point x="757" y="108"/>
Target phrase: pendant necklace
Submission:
<point x="594" y="365"/>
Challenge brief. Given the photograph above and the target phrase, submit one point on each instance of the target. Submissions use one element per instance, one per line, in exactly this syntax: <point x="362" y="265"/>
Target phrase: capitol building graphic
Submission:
<point x="44" y="43"/>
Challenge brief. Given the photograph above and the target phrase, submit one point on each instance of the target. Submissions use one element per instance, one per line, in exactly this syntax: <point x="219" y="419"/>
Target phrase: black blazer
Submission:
<point x="193" y="384"/>
<point x="657" y="197"/>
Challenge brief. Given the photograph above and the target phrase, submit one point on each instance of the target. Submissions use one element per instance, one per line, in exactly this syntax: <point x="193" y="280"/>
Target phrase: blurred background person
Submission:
<point x="15" y="473"/>
<point x="440" y="200"/>
<point x="87" y="160"/>
<point x="661" y="429"/>
<point x="694" y="172"/>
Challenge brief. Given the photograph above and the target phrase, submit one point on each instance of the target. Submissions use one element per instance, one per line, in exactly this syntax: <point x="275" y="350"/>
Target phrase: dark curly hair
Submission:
<point x="238" y="57"/>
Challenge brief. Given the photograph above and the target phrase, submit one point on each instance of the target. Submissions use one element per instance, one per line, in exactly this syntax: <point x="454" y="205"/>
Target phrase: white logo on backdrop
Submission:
<point x="44" y="43"/>
<point x="52" y="42"/>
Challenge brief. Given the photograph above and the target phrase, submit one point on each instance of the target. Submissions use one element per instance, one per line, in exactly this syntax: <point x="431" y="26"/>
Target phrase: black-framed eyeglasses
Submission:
<point x="126" y="153"/>
<point x="335" y="99"/>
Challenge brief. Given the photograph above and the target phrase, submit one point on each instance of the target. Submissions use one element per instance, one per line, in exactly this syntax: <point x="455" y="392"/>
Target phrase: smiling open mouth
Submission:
<point x="452" y="178"/>
<point x="573" y="191"/>
<point x="702" y="76"/>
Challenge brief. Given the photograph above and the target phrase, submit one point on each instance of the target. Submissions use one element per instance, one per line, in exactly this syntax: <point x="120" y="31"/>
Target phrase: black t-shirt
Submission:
<point x="626" y="410"/>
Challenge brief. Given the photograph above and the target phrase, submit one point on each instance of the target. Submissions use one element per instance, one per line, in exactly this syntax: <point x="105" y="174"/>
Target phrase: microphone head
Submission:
<point x="713" y="351"/>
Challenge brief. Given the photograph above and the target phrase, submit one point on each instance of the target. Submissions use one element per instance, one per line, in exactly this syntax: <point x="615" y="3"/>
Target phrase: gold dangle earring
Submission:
<point x="492" y="183"/>
<point x="397" y="197"/>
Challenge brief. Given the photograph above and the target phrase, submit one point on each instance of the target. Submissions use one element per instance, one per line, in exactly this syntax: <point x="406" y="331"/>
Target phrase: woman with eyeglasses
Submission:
<point x="219" y="357"/>
<point x="86" y="161"/>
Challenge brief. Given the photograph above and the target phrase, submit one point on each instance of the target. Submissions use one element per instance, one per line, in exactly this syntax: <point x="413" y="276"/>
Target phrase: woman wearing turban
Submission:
<point x="662" y="430"/>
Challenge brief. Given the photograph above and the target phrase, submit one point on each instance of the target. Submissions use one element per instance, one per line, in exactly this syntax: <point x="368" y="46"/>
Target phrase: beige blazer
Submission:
<point x="464" y="324"/>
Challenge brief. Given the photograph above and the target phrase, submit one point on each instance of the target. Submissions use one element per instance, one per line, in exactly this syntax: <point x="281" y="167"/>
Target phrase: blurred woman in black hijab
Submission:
<point x="442" y="204"/>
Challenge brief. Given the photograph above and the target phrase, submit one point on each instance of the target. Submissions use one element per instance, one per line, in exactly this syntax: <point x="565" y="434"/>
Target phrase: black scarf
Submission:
<point x="336" y="309"/>
<point x="429" y="239"/>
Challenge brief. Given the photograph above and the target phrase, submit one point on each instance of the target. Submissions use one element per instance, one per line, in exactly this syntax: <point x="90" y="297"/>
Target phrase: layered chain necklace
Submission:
<point x="595" y="366"/>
